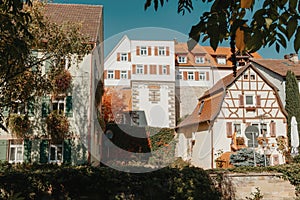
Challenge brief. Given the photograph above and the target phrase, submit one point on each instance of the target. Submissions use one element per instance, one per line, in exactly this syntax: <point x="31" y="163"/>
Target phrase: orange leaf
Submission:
<point x="239" y="39"/>
<point x="246" y="3"/>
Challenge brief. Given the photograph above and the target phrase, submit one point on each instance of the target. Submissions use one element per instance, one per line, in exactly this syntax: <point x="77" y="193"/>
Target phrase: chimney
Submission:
<point x="293" y="57"/>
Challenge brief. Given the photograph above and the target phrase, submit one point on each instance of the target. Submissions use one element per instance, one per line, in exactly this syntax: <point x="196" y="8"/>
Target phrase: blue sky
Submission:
<point x="129" y="17"/>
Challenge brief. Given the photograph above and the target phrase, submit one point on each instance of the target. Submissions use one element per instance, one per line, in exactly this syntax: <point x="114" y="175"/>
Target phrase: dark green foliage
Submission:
<point x="245" y="157"/>
<point x="292" y="99"/>
<point x="64" y="182"/>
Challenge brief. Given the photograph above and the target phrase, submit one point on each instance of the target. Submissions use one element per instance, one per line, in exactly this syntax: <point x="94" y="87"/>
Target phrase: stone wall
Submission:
<point x="238" y="186"/>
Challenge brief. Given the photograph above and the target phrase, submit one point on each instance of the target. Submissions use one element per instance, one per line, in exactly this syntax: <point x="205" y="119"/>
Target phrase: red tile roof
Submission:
<point x="90" y="16"/>
<point x="280" y="67"/>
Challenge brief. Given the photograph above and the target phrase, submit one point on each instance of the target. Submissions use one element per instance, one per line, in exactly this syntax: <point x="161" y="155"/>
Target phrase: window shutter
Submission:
<point x="30" y="107"/>
<point x="184" y="75"/>
<point x="160" y="69"/>
<point x="129" y="74"/>
<point x="137" y="50"/>
<point x="45" y="106"/>
<point x="69" y="106"/>
<point x="229" y="129"/>
<point x="117" y="74"/>
<point x="129" y="56"/>
<point x="155" y="51"/>
<point x="152" y="69"/>
<point x="118" y="56"/>
<point x="168" y="69"/>
<point x="133" y="69"/>
<point x="273" y="129"/>
<point x="67" y="151"/>
<point x="258" y="101"/>
<point x="105" y="74"/>
<point x="44" y="145"/>
<point x="241" y="100"/>
<point x="27" y="150"/>
<point x="207" y="76"/>
<point x="149" y="51"/>
<point x="197" y="76"/>
<point x="5" y="111"/>
<point x="167" y="51"/>
<point x="34" y="56"/>
<point x="145" y="69"/>
<point x="3" y="150"/>
<point x="47" y="66"/>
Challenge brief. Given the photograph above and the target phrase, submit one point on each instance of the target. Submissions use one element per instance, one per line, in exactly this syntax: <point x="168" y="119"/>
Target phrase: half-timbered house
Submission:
<point x="223" y="113"/>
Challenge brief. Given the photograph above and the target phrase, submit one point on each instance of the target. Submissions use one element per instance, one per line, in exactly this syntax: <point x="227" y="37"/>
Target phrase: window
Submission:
<point x="16" y="151"/>
<point x="161" y="51"/>
<point x="221" y="60"/>
<point x="143" y="51"/>
<point x="58" y="105"/>
<point x="139" y="69"/>
<point x="123" y="74"/>
<point x="63" y="106"/>
<point x="55" y="153"/>
<point x="179" y="75"/>
<point x="123" y="56"/>
<point x="199" y="59"/>
<point x="252" y="77"/>
<point x="164" y="69"/>
<point x="202" y="76"/>
<point x="190" y="75"/>
<point x="246" y="77"/>
<point x="181" y="59"/>
<point x="263" y="128"/>
<point x="18" y="108"/>
<point x="237" y="128"/>
<point x="249" y="100"/>
<point x="110" y="74"/>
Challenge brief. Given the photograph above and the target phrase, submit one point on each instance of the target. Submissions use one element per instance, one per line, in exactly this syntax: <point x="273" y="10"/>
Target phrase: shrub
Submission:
<point x="57" y="126"/>
<point x="245" y="157"/>
<point x="19" y="125"/>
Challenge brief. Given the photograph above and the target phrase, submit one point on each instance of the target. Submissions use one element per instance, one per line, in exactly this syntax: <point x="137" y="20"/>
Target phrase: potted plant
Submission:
<point x="61" y="82"/>
<point x="57" y="126"/>
<point x="19" y="125"/>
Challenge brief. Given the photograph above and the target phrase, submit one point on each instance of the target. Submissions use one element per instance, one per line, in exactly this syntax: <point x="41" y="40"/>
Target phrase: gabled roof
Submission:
<point x="213" y="98"/>
<point x="90" y="16"/>
<point x="280" y="67"/>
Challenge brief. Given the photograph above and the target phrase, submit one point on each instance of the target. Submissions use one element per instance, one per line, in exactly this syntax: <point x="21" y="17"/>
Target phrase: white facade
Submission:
<point x="148" y="68"/>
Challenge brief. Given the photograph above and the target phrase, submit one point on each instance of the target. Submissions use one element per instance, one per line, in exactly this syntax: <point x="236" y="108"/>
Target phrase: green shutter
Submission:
<point x="27" y="150"/>
<point x="45" y="106"/>
<point x="5" y="111"/>
<point x="44" y="146"/>
<point x="47" y="66"/>
<point x="30" y="107"/>
<point x="69" y="106"/>
<point x="3" y="150"/>
<point x="67" y="151"/>
<point x="34" y="56"/>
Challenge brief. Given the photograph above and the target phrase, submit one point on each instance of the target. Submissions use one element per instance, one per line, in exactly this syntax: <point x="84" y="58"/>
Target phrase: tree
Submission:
<point x="292" y="100"/>
<point x="276" y="22"/>
<point x="24" y="33"/>
<point x="245" y="157"/>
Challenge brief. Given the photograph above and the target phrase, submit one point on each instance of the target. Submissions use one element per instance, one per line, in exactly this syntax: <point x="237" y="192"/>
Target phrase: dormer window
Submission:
<point x="182" y="59"/>
<point x="221" y="60"/>
<point x="199" y="60"/>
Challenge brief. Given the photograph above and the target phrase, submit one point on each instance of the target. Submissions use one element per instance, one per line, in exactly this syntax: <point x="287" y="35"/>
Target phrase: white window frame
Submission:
<point x="16" y="148"/>
<point x="57" y="158"/>
<point x="199" y="59"/>
<point x="221" y="60"/>
<point x="238" y="132"/>
<point x="124" y="57"/>
<point x="202" y="76"/>
<point x="190" y="76"/>
<point x="249" y="104"/>
<point x="123" y="74"/>
<point x="161" y="51"/>
<point x="139" y="69"/>
<point x="110" y="74"/>
<point x="143" y="51"/>
<point x="61" y="105"/>
<point x="182" y="59"/>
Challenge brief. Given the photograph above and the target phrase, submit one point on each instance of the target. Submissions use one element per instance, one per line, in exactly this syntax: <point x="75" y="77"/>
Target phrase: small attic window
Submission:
<point x="221" y="60"/>
<point x="201" y="107"/>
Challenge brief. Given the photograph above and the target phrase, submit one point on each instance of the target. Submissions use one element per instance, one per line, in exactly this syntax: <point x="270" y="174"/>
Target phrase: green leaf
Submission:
<point x="291" y="27"/>
<point x="281" y="40"/>
<point x="292" y="4"/>
<point x="297" y="40"/>
<point x="277" y="47"/>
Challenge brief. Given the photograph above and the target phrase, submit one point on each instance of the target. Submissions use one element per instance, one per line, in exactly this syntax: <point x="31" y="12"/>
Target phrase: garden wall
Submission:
<point x="238" y="186"/>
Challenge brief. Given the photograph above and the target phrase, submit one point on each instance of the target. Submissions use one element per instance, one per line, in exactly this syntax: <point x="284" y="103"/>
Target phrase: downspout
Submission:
<point x="210" y="129"/>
